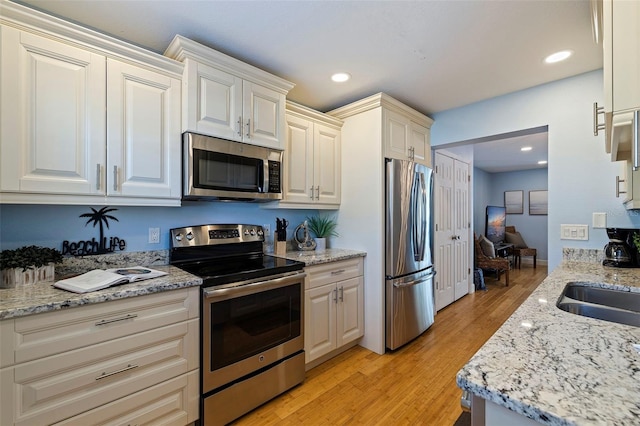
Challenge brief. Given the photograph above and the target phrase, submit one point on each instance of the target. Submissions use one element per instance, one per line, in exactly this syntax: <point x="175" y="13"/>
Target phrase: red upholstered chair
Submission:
<point x="521" y="248"/>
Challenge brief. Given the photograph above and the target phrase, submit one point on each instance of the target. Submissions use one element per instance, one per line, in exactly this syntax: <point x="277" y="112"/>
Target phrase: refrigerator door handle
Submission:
<point x="415" y="282"/>
<point x="419" y="209"/>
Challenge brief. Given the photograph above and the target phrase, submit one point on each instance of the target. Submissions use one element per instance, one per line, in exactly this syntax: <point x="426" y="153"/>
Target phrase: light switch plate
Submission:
<point x="599" y="220"/>
<point x="574" y="232"/>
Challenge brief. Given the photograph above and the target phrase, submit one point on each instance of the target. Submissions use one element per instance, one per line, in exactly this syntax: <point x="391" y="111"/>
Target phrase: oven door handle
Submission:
<point x="247" y="287"/>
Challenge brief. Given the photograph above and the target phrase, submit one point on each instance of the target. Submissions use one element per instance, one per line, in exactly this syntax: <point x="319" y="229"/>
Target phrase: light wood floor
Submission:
<point x="412" y="385"/>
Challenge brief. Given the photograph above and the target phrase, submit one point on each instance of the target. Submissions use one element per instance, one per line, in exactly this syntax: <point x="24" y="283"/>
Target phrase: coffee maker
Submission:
<point x="620" y="252"/>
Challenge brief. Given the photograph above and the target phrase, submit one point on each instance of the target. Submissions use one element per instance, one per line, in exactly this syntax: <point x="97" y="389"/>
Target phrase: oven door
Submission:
<point x="250" y="325"/>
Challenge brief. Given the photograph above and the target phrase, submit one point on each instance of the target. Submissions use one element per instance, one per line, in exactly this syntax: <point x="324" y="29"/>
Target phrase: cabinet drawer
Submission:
<point x="61" y="386"/>
<point x="319" y="275"/>
<point x="174" y="402"/>
<point x="51" y="333"/>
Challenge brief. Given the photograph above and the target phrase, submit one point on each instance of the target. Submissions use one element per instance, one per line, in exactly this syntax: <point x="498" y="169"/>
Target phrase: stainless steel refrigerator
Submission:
<point x="409" y="269"/>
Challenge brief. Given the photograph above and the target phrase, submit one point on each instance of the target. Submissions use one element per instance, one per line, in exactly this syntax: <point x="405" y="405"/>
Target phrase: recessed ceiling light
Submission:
<point x="340" y="77"/>
<point x="542" y="162"/>
<point x="526" y="148"/>
<point x="558" y="56"/>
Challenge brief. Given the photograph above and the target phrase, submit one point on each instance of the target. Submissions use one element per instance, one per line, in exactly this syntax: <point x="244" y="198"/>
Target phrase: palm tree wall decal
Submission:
<point x="102" y="218"/>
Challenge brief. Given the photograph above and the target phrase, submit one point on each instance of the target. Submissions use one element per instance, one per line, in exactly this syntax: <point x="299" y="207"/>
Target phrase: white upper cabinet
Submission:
<point x="85" y="119"/>
<point x="143" y="117"/>
<point x="621" y="45"/>
<point x="52" y="122"/>
<point x="227" y="98"/>
<point x="407" y="137"/>
<point x="312" y="163"/>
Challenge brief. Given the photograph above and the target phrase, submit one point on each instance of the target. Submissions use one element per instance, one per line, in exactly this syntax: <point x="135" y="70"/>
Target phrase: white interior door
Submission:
<point x="444" y="251"/>
<point x="462" y="224"/>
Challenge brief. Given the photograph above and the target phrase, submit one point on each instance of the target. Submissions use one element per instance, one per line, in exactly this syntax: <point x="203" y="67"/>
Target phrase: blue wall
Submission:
<point x="491" y="186"/>
<point x="49" y="226"/>
<point x="581" y="176"/>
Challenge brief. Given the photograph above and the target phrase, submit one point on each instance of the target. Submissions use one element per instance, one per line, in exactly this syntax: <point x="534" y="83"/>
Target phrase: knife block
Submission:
<point x="279" y="247"/>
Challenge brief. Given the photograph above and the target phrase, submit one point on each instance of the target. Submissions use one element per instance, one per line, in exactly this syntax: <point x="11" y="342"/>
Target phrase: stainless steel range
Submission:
<point x="252" y="341"/>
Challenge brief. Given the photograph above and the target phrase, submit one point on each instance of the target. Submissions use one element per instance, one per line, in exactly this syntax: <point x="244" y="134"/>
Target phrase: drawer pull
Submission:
<point x="338" y="272"/>
<point x="109" y="321"/>
<point x="122" y="370"/>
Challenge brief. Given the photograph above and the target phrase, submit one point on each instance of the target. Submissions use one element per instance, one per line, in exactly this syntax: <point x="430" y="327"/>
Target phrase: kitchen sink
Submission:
<point x="618" y="306"/>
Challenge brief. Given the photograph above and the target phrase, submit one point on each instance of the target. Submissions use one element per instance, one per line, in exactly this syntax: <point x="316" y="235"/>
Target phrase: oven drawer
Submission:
<point x="37" y="336"/>
<point x="319" y="275"/>
<point x="58" y="387"/>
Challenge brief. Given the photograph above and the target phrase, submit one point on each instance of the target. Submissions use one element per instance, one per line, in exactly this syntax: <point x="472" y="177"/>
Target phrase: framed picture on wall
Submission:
<point x="538" y="202"/>
<point x="513" y="201"/>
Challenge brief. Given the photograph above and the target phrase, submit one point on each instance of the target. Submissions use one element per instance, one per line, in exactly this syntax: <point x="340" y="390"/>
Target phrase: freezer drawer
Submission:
<point x="410" y="308"/>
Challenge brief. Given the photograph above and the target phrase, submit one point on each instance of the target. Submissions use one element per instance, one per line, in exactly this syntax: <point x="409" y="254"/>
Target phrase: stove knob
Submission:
<point x="190" y="236"/>
<point x="260" y="233"/>
<point x="179" y="237"/>
<point x="246" y="232"/>
<point x="252" y="232"/>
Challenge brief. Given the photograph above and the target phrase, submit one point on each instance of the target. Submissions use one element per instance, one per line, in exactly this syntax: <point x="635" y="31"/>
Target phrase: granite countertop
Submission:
<point x="43" y="297"/>
<point x="313" y="257"/>
<point x="560" y="368"/>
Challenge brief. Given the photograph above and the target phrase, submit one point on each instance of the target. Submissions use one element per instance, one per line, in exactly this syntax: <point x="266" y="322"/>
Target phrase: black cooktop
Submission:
<point x="239" y="268"/>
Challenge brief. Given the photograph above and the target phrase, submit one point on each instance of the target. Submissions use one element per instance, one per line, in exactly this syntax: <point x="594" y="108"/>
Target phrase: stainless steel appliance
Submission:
<point x="409" y="269"/>
<point x="252" y="339"/>
<point x="218" y="169"/>
<point x="620" y="251"/>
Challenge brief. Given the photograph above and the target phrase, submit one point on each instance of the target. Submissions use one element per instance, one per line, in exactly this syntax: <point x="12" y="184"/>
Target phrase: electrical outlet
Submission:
<point x="267" y="229"/>
<point x="154" y="235"/>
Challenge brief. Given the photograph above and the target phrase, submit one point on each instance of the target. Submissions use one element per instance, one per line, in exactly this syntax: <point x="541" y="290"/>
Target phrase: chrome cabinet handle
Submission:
<point x="122" y="370"/>
<point x="318" y="192"/>
<point x="240" y="126"/>
<point x="98" y="176"/>
<point x="342" y="294"/>
<point x="597" y="126"/>
<point x="338" y="272"/>
<point x="311" y="189"/>
<point x="115" y="178"/>
<point x="249" y="128"/>
<point x="618" y="182"/>
<point x="109" y="321"/>
<point x="335" y="295"/>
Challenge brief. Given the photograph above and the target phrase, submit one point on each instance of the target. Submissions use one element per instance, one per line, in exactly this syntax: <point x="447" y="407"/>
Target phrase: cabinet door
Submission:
<point x="320" y="321"/>
<point x="213" y="102"/>
<point x="397" y="130"/>
<point x="625" y="40"/>
<point x="298" y="160"/>
<point x="350" y="312"/>
<point x="326" y="148"/>
<point x="420" y="144"/>
<point x="52" y="123"/>
<point x="263" y="115"/>
<point x="143" y="116"/>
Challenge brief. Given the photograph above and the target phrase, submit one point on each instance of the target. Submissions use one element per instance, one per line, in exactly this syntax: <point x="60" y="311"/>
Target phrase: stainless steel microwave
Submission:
<point x="218" y="169"/>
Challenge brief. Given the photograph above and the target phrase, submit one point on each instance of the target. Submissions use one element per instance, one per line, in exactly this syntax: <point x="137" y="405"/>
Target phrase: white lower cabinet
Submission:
<point x="334" y="308"/>
<point x="134" y="361"/>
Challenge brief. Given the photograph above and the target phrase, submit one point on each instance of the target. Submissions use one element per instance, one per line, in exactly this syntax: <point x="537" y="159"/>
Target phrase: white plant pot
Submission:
<point x="321" y="244"/>
<point x="15" y="277"/>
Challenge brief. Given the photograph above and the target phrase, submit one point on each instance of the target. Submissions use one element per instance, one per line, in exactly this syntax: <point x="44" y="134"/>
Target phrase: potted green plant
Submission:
<point x="322" y="227"/>
<point x="28" y="265"/>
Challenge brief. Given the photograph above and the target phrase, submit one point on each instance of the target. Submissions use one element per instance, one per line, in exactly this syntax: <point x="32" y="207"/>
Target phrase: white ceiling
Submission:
<point x="431" y="55"/>
<point x="505" y="155"/>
